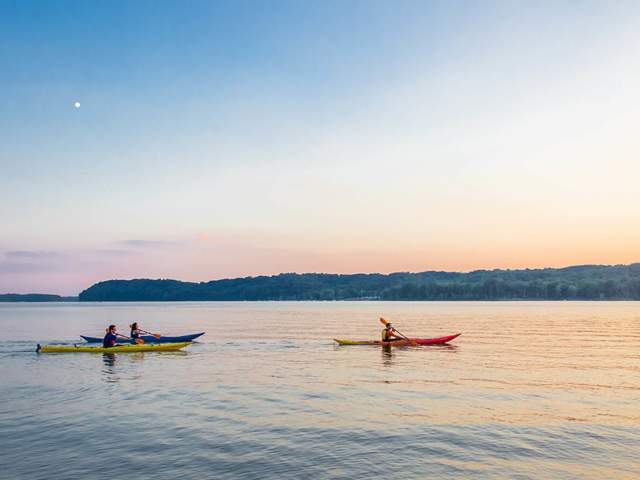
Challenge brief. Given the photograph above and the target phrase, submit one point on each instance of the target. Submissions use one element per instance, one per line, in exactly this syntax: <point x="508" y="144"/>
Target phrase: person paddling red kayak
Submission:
<point x="399" y="336"/>
<point x="401" y="342"/>
<point x="391" y="336"/>
<point x="388" y="333"/>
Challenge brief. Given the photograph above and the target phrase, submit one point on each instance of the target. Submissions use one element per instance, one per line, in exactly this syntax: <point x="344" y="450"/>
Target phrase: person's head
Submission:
<point x="112" y="329"/>
<point x="389" y="327"/>
<point x="134" y="326"/>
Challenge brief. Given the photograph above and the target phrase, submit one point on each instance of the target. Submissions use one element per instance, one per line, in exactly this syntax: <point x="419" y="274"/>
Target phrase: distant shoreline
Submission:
<point x="35" y="298"/>
<point x="576" y="283"/>
<point x="582" y="282"/>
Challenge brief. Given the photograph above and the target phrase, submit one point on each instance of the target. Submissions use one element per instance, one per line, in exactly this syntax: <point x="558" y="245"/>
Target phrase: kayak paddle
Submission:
<point x="139" y="341"/>
<point x="156" y="335"/>
<point x="384" y="322"/>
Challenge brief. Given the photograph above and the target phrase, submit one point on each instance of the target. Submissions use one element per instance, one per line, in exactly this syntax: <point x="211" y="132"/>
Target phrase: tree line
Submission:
<point x="34" y="297"/>
<point x="586" y="282"/>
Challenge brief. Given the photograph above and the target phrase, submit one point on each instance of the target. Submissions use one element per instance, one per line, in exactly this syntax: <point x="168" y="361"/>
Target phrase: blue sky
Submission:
<point x="220" y="139"/>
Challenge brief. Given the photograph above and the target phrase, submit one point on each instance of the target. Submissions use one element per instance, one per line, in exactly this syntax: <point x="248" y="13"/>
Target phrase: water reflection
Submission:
<point x="109" y="369"/>
<point x="121" y="366"/>
<point x="109" y="360"/>
<point x="450" y="347"/>
<point x="387" y="355"/>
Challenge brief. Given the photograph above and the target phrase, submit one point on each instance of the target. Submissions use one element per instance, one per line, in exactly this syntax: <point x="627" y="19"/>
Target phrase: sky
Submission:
<point x="235" y="138"/>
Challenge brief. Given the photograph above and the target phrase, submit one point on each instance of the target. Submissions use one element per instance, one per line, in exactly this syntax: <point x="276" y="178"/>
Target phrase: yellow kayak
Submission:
<point x="157" y="347"/>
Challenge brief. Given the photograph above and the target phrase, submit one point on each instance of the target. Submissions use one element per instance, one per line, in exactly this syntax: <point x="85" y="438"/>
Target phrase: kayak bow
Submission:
<point x="161" y="347"/>
<point x="401" y="343"/>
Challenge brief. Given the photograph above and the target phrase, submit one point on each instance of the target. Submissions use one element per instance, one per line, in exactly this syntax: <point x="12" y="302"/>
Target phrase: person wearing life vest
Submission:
<point x="388" y="334"/>
<point x="110" y="338"/>
<point x="135" y="332"/>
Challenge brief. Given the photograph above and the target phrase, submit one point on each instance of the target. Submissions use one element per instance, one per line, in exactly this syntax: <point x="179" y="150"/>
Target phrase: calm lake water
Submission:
<point x="530" y="390"/>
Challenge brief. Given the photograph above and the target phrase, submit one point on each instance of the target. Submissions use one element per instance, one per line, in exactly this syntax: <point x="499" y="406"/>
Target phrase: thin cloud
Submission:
<point x="31" y="254"/>
<point x="31" y="261"/>
<point x="22" y="267"/>
<point x="148" y="243"/>
<point x="112" y="252"/>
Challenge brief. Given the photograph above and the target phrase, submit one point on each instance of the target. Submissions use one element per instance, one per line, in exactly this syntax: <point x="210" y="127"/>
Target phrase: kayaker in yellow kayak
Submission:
<point x="110" y="338"/>
<point x="388" y="334"/>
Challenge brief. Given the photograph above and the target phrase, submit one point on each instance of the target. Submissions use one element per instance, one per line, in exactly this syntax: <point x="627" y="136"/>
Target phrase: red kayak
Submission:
<point x="401" y="343"/>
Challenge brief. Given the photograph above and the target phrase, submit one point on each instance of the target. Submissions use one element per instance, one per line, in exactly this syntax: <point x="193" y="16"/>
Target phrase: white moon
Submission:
<point x="76" y="104"/>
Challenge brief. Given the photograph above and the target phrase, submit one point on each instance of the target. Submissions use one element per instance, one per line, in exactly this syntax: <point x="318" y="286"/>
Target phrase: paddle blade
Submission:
<point x="383" y="321"/>
<point x="156" y="335"/>
<point x="139" y="341"/>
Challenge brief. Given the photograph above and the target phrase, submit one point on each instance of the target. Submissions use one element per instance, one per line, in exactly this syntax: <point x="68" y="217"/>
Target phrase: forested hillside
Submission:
<point x="586" y="282"/>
